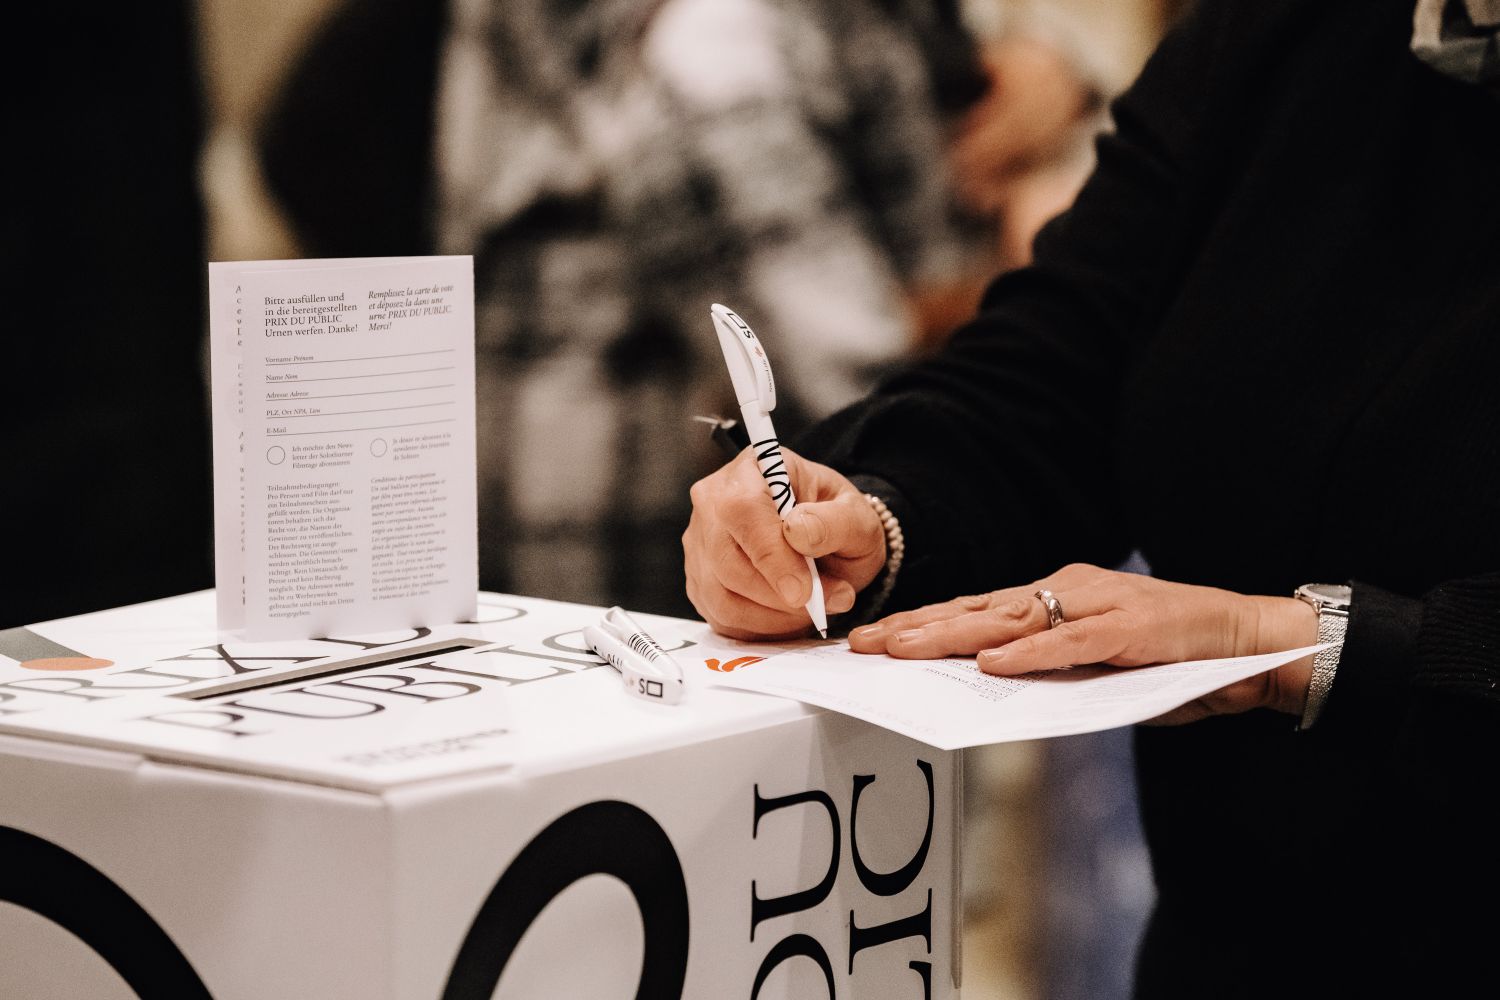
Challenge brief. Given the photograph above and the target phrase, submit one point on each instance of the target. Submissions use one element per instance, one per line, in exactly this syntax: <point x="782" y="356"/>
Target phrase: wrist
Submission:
<point x="891" y="511"/>
<point x="1283" y="623"/>
<point x="1330" y="603"/>
<point x="1280" y="623"/>
<point x="873" y="592"/>
<point x="892" y="547"/>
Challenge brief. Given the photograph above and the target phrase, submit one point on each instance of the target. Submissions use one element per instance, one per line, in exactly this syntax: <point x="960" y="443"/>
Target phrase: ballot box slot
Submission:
<point x="318" y="671"/>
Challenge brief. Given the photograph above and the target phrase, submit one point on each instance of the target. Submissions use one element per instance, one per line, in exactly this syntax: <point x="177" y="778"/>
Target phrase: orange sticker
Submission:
<point x="737" y="662"/>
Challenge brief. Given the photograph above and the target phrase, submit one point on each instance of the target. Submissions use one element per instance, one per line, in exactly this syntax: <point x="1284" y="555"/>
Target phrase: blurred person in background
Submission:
<point x="1260" y="347"/>
<point x="614" y="167"/>
<point x="1018" y="157"/>
<point x="105" y="431"/>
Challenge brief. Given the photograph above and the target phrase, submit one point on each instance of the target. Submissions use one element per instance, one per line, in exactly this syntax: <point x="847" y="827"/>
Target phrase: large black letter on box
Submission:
<point x="61" y="887"/>
<point x="601" y="838"/>
<point x="795" y="946"/>
<point x="896" y="882"/>
<point x="794" y="902"/>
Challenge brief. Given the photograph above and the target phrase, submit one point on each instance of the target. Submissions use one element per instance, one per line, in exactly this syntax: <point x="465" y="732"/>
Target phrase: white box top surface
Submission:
<point x="514" y="693"/>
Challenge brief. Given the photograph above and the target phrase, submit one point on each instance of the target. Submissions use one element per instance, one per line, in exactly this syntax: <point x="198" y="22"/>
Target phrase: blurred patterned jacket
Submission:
<point x="616" y="166"/>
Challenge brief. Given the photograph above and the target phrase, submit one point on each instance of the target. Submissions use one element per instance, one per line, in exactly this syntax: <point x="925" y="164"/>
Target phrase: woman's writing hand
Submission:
<point x="747" y="569"/>
<point x="1121" y="619"/>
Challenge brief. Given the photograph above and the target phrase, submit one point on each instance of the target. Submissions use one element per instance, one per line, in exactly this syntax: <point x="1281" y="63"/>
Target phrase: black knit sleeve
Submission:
<point x="1001" y="447"/>
<point x="1416" y="700"/>
<point x="1399" y="651"/>
<point x="1458" y="645"/>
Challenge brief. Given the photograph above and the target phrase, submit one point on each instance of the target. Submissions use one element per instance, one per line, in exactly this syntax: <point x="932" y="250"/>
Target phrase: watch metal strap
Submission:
<point x="1332" y="624"/>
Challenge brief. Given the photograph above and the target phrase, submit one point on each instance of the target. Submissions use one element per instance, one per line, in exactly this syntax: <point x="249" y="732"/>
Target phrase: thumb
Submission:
<point x="845" y="526"/>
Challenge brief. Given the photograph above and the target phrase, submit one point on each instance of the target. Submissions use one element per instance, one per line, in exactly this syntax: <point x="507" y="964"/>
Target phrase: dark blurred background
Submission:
<point x="105" y="433"/>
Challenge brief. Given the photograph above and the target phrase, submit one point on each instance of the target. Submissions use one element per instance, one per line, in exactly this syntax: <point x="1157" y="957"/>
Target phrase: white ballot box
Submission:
<point x="459" y="813"/>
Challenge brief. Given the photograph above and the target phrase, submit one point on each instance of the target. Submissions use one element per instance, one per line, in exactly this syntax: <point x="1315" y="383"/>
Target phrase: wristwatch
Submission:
<point x="1331" y="602"/>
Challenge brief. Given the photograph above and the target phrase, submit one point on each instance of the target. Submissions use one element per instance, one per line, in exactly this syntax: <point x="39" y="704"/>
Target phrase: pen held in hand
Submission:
<point x="755" y="391"/>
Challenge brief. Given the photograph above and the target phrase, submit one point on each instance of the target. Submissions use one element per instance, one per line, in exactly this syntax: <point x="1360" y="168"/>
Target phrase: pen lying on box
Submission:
<point x="648" y="670"/>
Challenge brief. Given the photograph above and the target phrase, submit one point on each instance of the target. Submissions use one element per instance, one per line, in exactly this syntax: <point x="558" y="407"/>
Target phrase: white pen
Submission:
<point x="648" y="670"/>
<point x="755" y="391"/>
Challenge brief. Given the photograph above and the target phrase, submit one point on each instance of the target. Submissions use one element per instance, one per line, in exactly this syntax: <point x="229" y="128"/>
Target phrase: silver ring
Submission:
<point x="1054" y="609"/>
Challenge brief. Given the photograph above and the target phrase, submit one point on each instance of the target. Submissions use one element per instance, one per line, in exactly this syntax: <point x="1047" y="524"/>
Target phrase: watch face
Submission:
<point x="1337" y="594"/>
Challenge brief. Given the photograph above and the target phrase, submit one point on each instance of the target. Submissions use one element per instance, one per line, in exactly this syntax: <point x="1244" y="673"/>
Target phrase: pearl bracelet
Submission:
<point x="895" y="551"/>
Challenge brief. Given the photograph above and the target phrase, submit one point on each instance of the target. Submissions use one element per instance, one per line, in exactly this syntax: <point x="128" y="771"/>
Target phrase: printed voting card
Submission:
<point x="344" y="483"/>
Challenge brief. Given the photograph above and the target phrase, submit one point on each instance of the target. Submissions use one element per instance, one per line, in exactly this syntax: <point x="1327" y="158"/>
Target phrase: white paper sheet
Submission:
<point x="951" y="704"/>
<point x="518" y="687"/>
<point x="344" y="444"/>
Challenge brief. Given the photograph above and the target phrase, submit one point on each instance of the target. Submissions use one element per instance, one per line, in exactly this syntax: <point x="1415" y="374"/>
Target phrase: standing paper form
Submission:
<point x="344" y="444"/>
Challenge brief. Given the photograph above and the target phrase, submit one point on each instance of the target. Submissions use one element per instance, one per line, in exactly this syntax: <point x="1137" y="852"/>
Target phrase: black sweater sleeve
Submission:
<point x="1401" y="652"/>
<point x="1001" y="446"/>
<point x="1416" y="700"/>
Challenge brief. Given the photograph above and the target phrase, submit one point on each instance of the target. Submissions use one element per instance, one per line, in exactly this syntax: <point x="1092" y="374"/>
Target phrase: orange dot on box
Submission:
<point x="67" y="663"/>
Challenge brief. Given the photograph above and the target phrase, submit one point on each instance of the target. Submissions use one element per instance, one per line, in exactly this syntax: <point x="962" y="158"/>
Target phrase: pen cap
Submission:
<point x="749" y="368"/>
<point x="620" y="626"/>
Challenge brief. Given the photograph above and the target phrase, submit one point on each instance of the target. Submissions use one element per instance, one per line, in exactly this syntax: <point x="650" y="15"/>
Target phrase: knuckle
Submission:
<point x="1016" y="611"/>
<point x="973" y="602"/>
<point x="1080" y="571"/>
<point x="987" y="619"/>
<point x="1001" y="617"/>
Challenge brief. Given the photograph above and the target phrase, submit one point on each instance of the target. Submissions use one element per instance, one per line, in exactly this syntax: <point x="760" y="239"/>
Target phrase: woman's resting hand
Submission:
<point x="1120" y="619"/>
<point x="746" y="568"/>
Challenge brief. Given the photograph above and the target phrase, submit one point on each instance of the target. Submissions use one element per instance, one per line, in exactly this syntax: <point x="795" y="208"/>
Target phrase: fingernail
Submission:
<point x="808" y="525"/>
<point x="910" y="635"/>
<point x="790" y="589"/>
<point x="990" y="660"/>
<point x="867" y="632"/>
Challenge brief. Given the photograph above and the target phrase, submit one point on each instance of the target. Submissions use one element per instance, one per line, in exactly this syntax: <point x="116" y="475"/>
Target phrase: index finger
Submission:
<point x="871" y="638"/>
